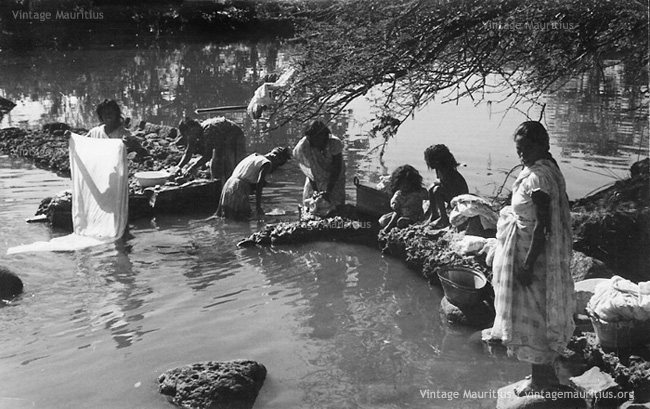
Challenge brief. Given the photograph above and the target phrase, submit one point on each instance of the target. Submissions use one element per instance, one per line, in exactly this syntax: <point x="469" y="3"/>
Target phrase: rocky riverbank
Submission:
<point x="150" y="148"/>
<point x="611" y="236"/>
<point x="612" y="225"/>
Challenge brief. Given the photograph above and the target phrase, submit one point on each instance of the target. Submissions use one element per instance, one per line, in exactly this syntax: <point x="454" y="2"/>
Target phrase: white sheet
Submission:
<point x="100" y="194"/>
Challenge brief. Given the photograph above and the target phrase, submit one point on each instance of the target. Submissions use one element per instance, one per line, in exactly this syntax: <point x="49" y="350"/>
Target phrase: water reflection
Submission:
<point x="113" y="294"/>
<point x="375" y="330"/>
<point x="593" y="120"/>
<point x="159" y="84"/>
<point x="601" y="116"/>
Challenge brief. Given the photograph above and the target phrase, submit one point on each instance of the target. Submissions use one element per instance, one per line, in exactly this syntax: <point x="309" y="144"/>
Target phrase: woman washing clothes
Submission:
<point x="532" y="282"/>
<point x="320" y="156"/>
<point x="217" y="140"/>
<point x="252" y="170"/>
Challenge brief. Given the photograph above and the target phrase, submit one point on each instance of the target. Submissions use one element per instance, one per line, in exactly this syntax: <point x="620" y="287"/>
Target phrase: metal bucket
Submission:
<point x="463" y="286"/>
<point x="621" y="334"/>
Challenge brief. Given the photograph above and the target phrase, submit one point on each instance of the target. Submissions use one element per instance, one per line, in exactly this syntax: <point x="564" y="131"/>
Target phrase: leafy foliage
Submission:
<point x="405" y="53"/>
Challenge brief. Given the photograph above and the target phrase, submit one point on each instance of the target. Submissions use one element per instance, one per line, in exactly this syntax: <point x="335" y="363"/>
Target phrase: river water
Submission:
<point x="337" y="325"/>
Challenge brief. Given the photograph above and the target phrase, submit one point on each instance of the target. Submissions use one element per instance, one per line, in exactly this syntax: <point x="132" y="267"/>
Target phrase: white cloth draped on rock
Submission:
<point x="100" y="194"/>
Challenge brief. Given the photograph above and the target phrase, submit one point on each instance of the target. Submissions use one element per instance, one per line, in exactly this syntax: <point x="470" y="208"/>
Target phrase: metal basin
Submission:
<point x="463" y="286"/>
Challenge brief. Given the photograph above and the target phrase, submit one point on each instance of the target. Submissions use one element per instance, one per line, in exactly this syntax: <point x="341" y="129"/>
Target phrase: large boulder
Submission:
<point x="10" y="284"/>
<point x="584" y="267"/>
<point x="613" y="225"/>
<point x="214" y="385"/>
<point x="5" y="106"/>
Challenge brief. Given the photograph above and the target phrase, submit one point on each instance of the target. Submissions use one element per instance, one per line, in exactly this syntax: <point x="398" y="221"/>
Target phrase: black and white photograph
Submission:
<point x="324" y="204"/>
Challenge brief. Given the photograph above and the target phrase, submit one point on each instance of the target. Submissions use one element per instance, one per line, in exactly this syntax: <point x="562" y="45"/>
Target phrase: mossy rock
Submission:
<point x="214" y="384"/>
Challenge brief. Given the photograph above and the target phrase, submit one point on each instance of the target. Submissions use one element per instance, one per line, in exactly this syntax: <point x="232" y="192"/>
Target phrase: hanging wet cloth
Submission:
<point x="99" y="196"/>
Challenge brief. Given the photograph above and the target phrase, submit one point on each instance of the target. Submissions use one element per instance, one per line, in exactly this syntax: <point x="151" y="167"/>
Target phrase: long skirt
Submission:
<point x="234" y="202"/>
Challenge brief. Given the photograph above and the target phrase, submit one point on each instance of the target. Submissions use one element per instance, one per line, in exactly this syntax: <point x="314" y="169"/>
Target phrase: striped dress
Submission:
<point x="535" y="322"/>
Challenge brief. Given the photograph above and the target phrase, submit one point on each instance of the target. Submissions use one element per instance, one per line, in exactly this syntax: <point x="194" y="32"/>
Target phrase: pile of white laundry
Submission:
<point x="618" y="299"/>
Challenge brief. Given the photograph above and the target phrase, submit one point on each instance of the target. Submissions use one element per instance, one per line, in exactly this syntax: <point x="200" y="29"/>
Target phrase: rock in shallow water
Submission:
<point x="480" y="315"/>
<point x="214" y="385"/>
<point x="10" y="284"/>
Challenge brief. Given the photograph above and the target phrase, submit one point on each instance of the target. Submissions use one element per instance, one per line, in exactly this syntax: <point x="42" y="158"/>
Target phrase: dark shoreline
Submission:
<point x="75" y="24"/>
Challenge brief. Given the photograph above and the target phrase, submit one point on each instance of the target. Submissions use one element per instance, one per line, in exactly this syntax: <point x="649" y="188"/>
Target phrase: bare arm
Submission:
<point x="202" y="161"/>
<point x="187" y="155"/>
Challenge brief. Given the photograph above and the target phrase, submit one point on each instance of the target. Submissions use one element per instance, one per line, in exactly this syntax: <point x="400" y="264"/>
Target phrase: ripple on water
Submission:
<point x="337" y="325"/>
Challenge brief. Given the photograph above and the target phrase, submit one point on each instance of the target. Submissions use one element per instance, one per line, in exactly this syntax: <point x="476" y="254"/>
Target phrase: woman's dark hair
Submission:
<point x="438" y="156"/>
<point x="188" y="123"/>
<point x="408" y="174"/>
<point x="317" y="128"/>
<point x="106" y="106"/>
<point x="280" y="154"/>
<point x="534" y="131"/>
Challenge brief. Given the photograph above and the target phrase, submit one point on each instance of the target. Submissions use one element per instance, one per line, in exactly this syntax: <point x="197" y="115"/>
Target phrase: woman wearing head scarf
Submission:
<point x="532" y="281"/>
<point x="252" y="170"/>
<point x="320" y="156"/>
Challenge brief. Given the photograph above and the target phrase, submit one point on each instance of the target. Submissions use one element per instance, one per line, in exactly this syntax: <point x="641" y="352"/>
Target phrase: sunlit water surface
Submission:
<point x="337" y="325"/>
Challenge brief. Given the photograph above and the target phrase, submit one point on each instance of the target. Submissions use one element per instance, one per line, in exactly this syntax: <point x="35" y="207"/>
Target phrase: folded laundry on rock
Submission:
<point x="618" y="299"/>
<point x="470" y="244"/>
<point x="467" y="206"/>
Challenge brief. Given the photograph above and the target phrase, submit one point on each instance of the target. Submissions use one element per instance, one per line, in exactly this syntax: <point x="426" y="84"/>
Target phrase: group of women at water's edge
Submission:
<point x="531" y="277"/>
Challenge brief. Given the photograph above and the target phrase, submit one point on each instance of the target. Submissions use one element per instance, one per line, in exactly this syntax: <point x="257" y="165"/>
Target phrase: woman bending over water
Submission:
<point x="320" y="156"/>
<point x="217" y="140"/>
<point x="252" y="170"/>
